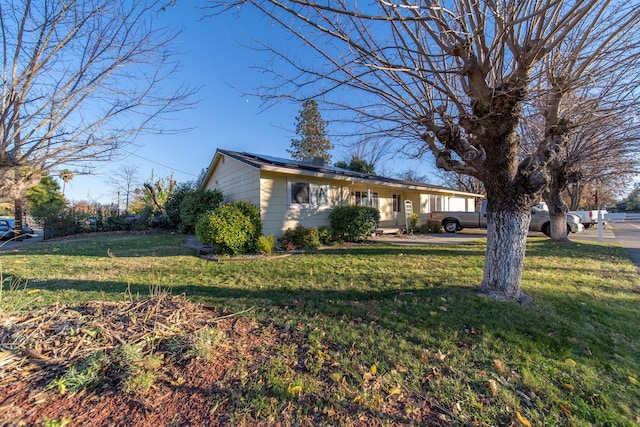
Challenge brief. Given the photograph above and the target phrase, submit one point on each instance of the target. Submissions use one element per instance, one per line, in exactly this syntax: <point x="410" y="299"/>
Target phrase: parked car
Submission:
<point x="7" y="225"/>
<point x="589" y="218"/>
<point x="130" y="218"/>
<point x="540" y="220"/>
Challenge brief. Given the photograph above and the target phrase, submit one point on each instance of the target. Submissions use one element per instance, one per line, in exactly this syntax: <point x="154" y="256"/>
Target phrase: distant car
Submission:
<point x="131" y="218"/>
<point x="7" y="225"/>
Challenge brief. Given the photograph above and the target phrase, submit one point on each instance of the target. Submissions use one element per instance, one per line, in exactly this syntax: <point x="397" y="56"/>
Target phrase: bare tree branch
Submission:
<point x="80" y="80"/>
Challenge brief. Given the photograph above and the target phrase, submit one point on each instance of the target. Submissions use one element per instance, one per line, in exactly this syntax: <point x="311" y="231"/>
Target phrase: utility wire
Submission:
<point x="159" y="164"/>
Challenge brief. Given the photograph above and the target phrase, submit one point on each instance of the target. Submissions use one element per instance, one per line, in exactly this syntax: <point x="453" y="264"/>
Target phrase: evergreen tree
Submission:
<point x="311" y="128"/>
<point x="357" y="165"/>
<point x="47" y="192"/>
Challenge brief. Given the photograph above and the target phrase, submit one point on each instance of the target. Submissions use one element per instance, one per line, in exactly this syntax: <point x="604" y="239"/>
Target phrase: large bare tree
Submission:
<point x="600" y="153"/>
<point x="450" y="78"/>
<point x="586" y="97"/>
<point x="80" y="80"/>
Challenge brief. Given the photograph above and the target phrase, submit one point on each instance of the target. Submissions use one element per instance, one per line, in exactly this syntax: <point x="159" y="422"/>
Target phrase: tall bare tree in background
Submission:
<point x="125" y="181"/>
<point x="80" y="79"/>
<point x="462" y="182"/>
<point x="587" y="99"/>
<point x="452" y="78"/>
<point x="601" y="151"/>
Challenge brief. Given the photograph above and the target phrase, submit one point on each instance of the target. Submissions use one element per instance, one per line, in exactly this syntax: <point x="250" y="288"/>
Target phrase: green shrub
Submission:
<point x="196" y="203"/>
<point x="326" y="235"/>
<point x="58" y="220"/>
<point x="234" y="228"/>
<point x="228" y="228"/>
<point x="431" y="227"/>
<point x="265" y="244"/>
<point x="413" y="222"/>
<point x="300" y="238"/>
<point x="353" y="223"/>
<point x="172" y="205"/>
<point x="252" y="212"/>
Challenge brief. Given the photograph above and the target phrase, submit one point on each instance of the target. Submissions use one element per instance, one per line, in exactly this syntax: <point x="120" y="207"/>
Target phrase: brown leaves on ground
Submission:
<point x="39" y="348"/>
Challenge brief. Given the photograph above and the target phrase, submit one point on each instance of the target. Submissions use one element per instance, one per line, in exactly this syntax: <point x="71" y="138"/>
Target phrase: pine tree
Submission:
<point x="313" y="141"/>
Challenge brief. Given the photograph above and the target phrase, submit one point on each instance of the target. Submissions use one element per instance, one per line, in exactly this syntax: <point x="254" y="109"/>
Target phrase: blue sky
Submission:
<point x="214" y="58"/>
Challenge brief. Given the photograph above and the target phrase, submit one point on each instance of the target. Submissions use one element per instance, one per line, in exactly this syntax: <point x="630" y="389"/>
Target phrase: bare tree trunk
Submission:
<point x="575" y="194"/>
<point x="559" y="227"/>
<point x="18" y="218"/>
<point x="557" y="211"/>
<point x="506" y="246"/>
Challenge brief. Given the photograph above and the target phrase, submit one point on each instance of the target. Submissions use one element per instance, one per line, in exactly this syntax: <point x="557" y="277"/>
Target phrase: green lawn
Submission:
<point x="408" y="316"/>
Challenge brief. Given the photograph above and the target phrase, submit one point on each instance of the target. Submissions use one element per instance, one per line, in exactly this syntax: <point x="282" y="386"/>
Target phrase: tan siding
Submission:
<point x="278" y="215"/>
<point x="236" y="181"/>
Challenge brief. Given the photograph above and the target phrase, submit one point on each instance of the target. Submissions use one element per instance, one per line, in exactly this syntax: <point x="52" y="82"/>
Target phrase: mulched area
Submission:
<point x="38" y="348"/>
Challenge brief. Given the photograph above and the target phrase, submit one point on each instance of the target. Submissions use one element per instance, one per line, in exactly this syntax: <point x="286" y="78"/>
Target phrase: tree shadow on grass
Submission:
<point x="414" y="313"/>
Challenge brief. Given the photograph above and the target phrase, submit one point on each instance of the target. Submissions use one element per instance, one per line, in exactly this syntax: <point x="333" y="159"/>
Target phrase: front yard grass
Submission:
<point x="378" y="323"/>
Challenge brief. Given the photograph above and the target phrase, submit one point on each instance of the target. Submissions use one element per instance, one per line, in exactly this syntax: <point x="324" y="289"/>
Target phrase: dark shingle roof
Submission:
<point x="261" y="161"/>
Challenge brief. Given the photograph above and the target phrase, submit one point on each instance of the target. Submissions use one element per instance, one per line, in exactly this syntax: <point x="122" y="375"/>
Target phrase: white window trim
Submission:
<point x="291" y="204"/>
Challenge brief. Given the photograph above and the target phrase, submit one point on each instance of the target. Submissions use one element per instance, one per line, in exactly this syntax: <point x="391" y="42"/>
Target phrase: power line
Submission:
<point x="160" y="164"/>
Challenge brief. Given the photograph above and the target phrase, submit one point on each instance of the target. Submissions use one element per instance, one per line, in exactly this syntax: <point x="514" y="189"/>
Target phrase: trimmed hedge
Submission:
<point x="353" y="223"/>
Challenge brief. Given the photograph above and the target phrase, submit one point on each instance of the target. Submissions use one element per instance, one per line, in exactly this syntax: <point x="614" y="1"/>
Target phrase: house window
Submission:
<point x="304" y="193"/>
<point x="397" y="203"/>
<point x="365" y="198"/>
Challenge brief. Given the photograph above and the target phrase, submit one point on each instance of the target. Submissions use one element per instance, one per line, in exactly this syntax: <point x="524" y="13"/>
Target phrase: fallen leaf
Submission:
<point x="564" y="409"/>
<point x="373" y="370"/>
<point x="295" y="390"/>
<point x="522" y="421"/>
<point x="433" y="313"/>
<point x="494" y="386"/>
<point x="394" y="390"/>
<point x="178" y="381"/>
<point x="633" y="380"/>
<point x="440" y="356"/>
<point x="569" y="387"/>
<point x="570" y="362"/>
<point x="443" y="308"/>
<point x="336" y="376"/>
<point x="573" y="340"/>
<point x="498" y="364"/>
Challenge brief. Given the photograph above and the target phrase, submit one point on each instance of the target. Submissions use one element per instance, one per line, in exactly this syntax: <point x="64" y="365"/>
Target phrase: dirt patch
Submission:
<point x="40" y="349"/>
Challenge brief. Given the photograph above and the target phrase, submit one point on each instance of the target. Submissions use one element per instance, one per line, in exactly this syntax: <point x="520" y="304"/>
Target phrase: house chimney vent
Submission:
<point x="314" y="160"/>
